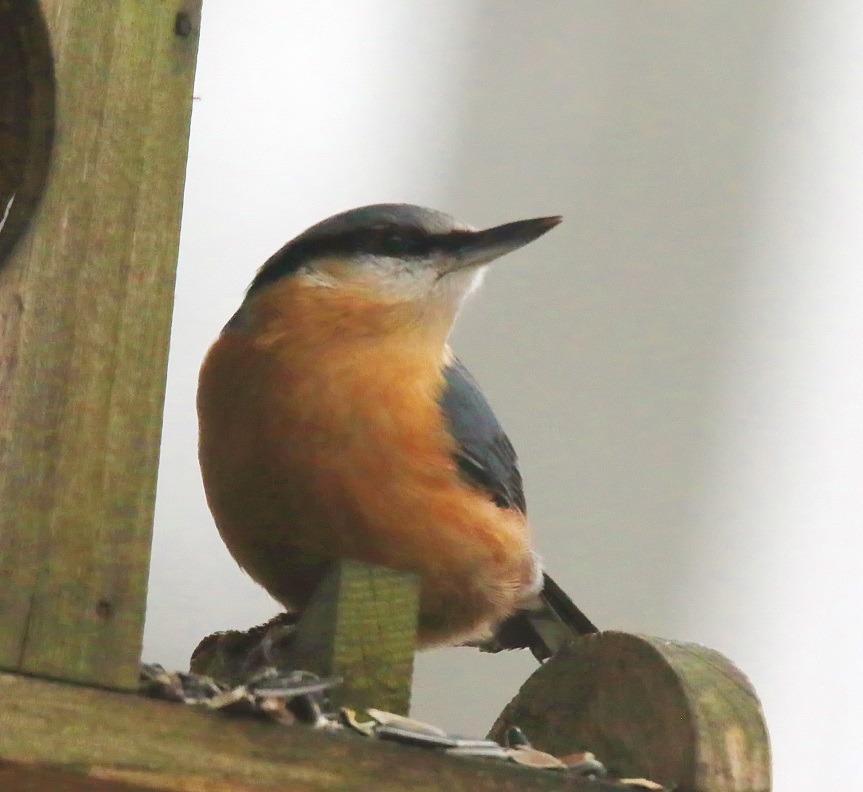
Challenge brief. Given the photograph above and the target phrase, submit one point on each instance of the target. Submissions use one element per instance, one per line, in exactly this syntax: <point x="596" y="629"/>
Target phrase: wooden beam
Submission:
<point x="85" y="302"/>
<point x="55" y="736"/>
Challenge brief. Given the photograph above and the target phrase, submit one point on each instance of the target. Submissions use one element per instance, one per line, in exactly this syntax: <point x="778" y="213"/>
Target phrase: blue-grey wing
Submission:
<point x="484" y="454"/>
<point x="486" y="459"/>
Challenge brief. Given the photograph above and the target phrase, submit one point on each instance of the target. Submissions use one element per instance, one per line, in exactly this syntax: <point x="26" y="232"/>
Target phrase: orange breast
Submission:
<point x="321" y="437"/>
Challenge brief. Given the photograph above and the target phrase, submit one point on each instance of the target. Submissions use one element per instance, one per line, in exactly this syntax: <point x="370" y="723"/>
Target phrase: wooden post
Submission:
<point x="85" y="310"/>
<point x="360" y="625"/>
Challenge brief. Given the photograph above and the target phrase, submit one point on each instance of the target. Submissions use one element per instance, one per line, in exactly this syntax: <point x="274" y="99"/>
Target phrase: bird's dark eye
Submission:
<point x="394" y="243"/>
<point x="388" y="241"/>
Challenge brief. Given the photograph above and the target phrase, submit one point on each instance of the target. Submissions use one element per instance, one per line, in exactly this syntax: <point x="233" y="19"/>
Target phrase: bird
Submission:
<point x="336" y="422"/>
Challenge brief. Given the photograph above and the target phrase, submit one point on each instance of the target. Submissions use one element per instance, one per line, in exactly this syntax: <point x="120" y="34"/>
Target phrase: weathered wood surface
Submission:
<point x="677" y="713"/>
<point x="65" y="737"/>
<point x="360" y="625"/>
<point x="85" y="308"/>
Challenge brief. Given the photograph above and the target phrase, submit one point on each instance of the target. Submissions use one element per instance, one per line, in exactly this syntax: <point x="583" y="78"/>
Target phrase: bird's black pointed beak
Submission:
<point x="475" y="248"/>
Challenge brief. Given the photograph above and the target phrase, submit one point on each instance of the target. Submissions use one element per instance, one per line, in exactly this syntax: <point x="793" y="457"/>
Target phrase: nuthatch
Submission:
<point x="335" y="422"/>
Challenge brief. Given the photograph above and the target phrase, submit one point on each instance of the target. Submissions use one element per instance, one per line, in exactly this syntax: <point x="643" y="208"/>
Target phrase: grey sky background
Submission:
<point x="680" y="364"/>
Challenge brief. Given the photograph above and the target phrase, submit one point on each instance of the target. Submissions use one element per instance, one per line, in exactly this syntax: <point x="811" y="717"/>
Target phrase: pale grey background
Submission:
<point x="679" y="364"/>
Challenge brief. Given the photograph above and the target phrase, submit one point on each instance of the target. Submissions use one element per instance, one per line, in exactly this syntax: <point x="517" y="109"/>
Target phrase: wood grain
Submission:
<point x="678" y="713"/>
<point x="85" y="303"/>
<point x="360" y="625"/>
<point x="64" y="737"/>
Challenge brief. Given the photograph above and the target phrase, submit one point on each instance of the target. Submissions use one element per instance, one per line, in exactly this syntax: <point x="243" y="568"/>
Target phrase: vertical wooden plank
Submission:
<point x="87" y="297"/>
<point x="361" y="625"/>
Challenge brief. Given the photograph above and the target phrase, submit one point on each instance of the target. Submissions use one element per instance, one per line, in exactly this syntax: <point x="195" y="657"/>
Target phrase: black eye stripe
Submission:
<point x="394" y="241"/>
<point x="389" y="242"/>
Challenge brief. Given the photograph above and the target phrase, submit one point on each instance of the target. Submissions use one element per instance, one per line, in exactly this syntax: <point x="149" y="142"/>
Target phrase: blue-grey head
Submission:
<point x="399" y="251"/>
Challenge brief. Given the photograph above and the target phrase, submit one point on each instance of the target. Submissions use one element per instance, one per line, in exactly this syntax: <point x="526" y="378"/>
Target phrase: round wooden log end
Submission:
<point x="678" y="713"/>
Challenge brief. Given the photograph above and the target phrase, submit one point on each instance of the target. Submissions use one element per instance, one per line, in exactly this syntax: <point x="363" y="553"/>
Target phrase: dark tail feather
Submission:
<point x="560" y="603"/>
<point x="544" y="629"/>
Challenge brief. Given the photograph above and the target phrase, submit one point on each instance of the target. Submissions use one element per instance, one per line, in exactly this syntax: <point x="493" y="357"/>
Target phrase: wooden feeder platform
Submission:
<point x="95" y="104"/>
